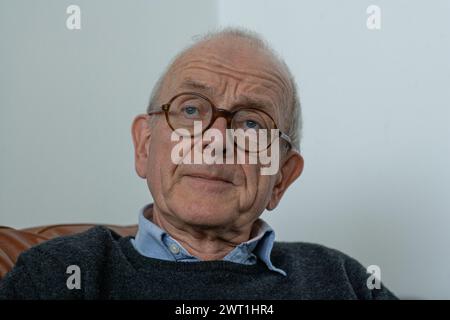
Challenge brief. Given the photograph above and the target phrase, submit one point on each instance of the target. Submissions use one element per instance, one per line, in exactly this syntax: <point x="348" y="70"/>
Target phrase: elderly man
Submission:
<point x="203" y="238"/>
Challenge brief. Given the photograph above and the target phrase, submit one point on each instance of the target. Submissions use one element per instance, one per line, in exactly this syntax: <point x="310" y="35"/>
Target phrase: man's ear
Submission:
<point x="290" y="170"/>
<point x="140" y="131"/>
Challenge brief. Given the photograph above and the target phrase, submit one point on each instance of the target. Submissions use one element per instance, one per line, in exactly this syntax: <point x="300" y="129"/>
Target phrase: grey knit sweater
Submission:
<point x="110" y="268"/>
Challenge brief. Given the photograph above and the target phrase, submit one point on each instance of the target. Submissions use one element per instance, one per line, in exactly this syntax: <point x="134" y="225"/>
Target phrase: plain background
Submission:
<point x="375" y="105"/>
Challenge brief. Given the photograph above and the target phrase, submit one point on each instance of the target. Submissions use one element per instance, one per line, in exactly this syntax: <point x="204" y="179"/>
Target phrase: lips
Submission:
<point x="212" y="175"/>
<point x="209" y="177"/>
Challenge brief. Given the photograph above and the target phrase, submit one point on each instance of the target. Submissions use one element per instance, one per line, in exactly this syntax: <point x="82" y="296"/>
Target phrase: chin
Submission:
<point x="212" y="211"/>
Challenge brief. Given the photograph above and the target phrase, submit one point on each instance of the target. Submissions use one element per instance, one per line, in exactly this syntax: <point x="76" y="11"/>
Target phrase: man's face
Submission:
<point x="229" y="73"/>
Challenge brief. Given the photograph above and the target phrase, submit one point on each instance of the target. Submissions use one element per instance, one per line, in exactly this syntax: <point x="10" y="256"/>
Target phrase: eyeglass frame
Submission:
<point x="217" y="113"/>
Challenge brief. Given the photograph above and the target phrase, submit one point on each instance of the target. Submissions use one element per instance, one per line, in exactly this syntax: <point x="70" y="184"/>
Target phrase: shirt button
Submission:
<point x="174" y="249"/>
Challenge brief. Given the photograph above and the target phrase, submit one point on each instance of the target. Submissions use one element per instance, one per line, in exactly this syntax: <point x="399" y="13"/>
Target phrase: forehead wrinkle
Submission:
<point x="217" y="59"/>
<point x="277" y="72"/>
<point x="190" y="84"/>
<point x="274" y="81"/>
<point x="246" y="99"/>
<point x="242" y="99"/>
<point x="264" y="83"/>
<point x="274" y="76"/>
<point x="254" y="98"/>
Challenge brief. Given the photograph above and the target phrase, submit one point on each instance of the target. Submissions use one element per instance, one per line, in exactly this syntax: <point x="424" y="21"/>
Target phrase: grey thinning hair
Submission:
<point x="292" y="117"/>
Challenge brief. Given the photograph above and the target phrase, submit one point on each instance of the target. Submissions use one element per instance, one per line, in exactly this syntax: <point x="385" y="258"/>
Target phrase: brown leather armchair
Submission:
<point x="13" y="242"/>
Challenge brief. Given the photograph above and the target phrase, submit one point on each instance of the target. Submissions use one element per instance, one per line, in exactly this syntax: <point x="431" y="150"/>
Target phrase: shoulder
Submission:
<point x="86" y="243"/>
<point x="327" y="265"/>
<point x="85" y="246"/>
<point x="316" y="255"/>
<point x="42" y="271"/>
<point x="310" y="251"/>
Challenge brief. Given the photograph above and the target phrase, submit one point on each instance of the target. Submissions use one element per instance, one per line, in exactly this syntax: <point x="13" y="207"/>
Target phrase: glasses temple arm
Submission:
<point x="289" y="140"/>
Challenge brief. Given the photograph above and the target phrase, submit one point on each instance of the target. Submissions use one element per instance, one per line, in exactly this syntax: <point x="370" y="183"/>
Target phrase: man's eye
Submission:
<point x="250" y="124"/>
<point x="190" y="110"/>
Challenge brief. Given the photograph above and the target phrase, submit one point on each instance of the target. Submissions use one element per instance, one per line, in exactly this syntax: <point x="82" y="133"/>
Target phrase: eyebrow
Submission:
<point x="243" y="101"/>
<point x="196" y="85"/>
<point x="253" y="102"/>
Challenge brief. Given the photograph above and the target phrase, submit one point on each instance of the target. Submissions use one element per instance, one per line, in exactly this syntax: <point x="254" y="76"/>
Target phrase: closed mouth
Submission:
<point x="210" y="178"/>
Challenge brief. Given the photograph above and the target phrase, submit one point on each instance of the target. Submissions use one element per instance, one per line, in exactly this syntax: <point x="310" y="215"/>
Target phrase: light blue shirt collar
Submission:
<point x="152" y="241"/>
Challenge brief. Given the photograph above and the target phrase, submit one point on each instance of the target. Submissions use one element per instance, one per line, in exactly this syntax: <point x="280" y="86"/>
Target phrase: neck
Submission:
<point x="203" y="243"/>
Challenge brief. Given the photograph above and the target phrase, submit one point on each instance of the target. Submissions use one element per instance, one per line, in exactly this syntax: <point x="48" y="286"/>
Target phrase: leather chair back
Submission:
<point x="13" y="241"/>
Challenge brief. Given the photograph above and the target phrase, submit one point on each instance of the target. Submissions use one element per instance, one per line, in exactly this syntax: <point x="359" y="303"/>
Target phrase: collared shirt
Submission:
<point x="152" y="241"/>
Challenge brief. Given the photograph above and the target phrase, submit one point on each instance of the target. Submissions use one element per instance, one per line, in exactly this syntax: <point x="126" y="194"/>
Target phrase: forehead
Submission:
<point x="220" y="68"/>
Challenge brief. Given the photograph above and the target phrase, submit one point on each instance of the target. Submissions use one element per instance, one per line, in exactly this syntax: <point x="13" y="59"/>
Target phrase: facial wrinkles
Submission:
<point x="273" y="74"/>
<point x="259" y="80"/>
<point x="253" y="176"/>
<point x="229" y="82"/>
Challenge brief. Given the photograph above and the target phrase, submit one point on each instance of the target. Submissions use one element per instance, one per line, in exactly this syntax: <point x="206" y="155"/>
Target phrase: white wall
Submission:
<point x="375" y="104"/>
<point x="376" y="108"/>
<point x="68" y="99"/>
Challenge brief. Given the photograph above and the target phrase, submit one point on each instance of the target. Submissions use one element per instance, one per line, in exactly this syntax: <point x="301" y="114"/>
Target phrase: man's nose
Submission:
<point x="220" y="126"/>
